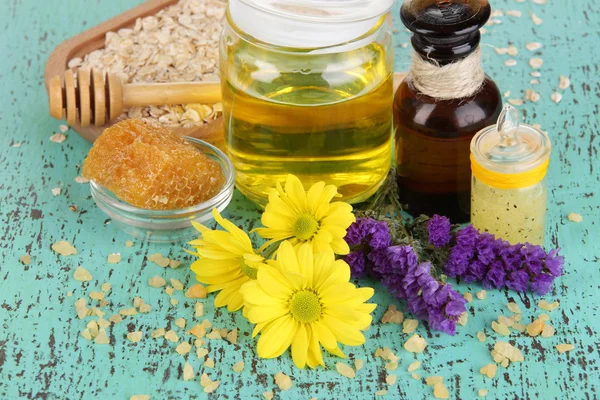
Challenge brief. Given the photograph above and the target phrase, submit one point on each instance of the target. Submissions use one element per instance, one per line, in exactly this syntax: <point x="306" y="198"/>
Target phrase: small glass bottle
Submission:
<point x="433" y="133"/>
<point x="307" y="90"/>
<point x="509" y="189"/>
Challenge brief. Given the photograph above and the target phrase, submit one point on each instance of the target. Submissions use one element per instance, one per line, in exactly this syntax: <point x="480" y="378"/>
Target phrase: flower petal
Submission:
<point x="343" y="332"/>
<point x="295" y="192"/>
<point x="276" y="337"/>
<point x="315" y="356"/>
<point x="274" y="283"/>
<point x="300" y="347"/>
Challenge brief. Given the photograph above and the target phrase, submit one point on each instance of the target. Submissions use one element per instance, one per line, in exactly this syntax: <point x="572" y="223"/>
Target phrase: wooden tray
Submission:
<point x="93" y="39"/>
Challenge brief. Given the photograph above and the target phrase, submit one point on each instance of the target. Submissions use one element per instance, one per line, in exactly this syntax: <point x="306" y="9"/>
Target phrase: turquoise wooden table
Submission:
<point x="43" y="355"/>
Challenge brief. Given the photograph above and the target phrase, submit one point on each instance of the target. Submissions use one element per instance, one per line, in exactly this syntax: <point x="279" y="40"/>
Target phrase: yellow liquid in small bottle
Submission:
<point x="515" y="215"/>
<point x="329" y="120"/>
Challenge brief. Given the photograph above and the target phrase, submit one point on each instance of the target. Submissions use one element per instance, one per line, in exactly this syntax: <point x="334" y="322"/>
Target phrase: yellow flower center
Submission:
<point x="305" y="227"/>
<point x="249" y="271"/>
<point x="305" y="306"/>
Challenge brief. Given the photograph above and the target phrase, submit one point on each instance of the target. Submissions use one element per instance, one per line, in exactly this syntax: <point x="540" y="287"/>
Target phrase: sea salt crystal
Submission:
<point x="564" y="82"/>
<point x="134" y="336"/>
<point x="414" y="366"/>
<point x="196" y="292"/>
<point x="345" y="370"/>
<point x="536" y="63"/>
<point x="562" y="348"/>
<point x="574" y="217"/>
<point x="545" y="305"/>
<point x="238" y="367"/>
<point x="440" y="391"/>
<point x="358" y="364"/>
<point x="188" y="372"/>
<point x="514" y="308"/>
<point x="81" y="179"/>
<point x="198" y="309"/>
<point x="481" y="295"/>
<point x="489" y="370"/>
<point x="159" y="260"/>
<point x="415" y="344"/>
<point x="533" y="46"/>
<point x="409" y="325"/>
<point x="536" y="20"/>
<point x="56" y="191"/>
<point x="392" y="315"/>
<point x="171" y="336"/>
<point x="157" y="281"/>
<point x="183" y="348"/>
<point x="64" y="248"/>
<point x="177" y="285"/>
<point x="556" y="97"/>
<point x="283" y="381"/>
<point x="58" y="138"/>
<point x="114" y="258"/>
<point x="81" y="274"/>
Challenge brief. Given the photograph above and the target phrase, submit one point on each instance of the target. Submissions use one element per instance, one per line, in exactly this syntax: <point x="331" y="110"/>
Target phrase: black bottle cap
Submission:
<point x="445" y="30"/>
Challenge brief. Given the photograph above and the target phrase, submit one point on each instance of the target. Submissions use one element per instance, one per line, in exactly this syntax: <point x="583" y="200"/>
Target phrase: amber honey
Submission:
<point x="323" y="115"/>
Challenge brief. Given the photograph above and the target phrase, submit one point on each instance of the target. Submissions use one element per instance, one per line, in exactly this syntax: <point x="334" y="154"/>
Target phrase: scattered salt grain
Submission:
<point x="481" y="336"/>
<point x="510" y="62"/>
<point x="514" y="13"/>
<point x="514" y="308"/>
<point x="556" y="97"/>
<point x="440" y="391"/>
<point x="105" y="287"/>
<point x="145" y="308"/>
<point x="159" y="260"/>
<point x="205" y="380"/>
<point x="414" y="366"/>
<point x="416" y="376"/>
<point x="140" y="397"/>
<point x="170" y="290"/>
<point x="58" y="138"/>
<point x="468" y="296"/>
<point x="238" y="367"/>
<point x="134" y="336"/>
<point x="115" y="319"/>
<point x="516" y="102"/>
<point x="562" y="348"/>
<point x="114" y="258"/>
<point x="532" y="95"/>
<point x="545" y="305"/>
<point x="481" y="295"/>
<point x="196" y="292"/>
<point x="535" y="74"/>
<point x="232" y="336"/>
<point x="188" y="372"/>
<point x="86" y="334"/>
<point x="102" y="337"/>
<point x="26" y="259"/>
<point x="482" y="392"/>
<point x="209" y="363"/>
<point x="64" y="248"/>
<point x="533" y="46"/>
<point x="171" y="336"/>
<point x="56" y="191"/>
<point x="81" y="274"/>
<point x="391" y="366"/>
<point x="463" y="319"/>
<point x="177" y="285"/>
<point x="211" y="387"/>
<point x="536" y="20"/>
<point x="157" y="333"/>
<point x="564" y="82"/>
<point x="548" y="331"/>
<point x="390" y="379"/>
<point x="381" y="392"/>
<point x="201" y="352"/>
<point x="535" y="328"/>
<point x="81" y="179"/>
<point x="128" y="311"/>
<point x="214" y="334"/>
<point x="536" y="63"/>
<point x="489" y="370"/>
<point x="129" y="243"/>
<point x="434" y="380"/>
<point x="358" y="364"/>
<point x="574" y="217"/>
<point x="283" y="381"/>
<point x="519" y="327"/>
<point x="63" y="128"/>
<point x="157" y="281"/>
<point x="199" y="309"/>
<point x="392" y="315"/>
<point x="183" y="348"/>
<point x="505" y="321"/>
<point x="96" y="295"/>
<point x="509" y="351"/>
<point x="345" y="370"/>
<point x="174" y="264"/>
<point x="268" y="395"/>
<point x="409" y="325"/>
<point x="415" y="344"/>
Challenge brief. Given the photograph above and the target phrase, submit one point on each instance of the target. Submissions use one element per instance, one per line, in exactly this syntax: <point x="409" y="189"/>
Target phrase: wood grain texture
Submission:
<point x="42" y="354"/>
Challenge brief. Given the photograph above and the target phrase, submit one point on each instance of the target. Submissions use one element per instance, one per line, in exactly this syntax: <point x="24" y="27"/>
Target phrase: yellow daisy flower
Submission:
<point x="226" y="261"/>
<point x="307" y="217"/>
<point x="305" y="300"/>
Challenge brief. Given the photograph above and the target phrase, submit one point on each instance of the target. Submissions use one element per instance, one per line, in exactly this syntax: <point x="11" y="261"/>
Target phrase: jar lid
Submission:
<point x="509" y="147"/>
<point x="307" y="23"/>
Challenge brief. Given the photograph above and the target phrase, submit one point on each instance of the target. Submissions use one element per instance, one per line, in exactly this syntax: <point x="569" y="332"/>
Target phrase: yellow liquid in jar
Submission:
<point x="515" y="215"/>
<point x="327" y="121"/>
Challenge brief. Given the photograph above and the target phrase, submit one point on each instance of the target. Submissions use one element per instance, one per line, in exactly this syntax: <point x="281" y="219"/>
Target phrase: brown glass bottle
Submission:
<point x="433" y="135"/>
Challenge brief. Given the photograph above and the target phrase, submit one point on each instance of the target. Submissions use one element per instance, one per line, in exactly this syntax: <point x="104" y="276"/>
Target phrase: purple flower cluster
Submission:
<point x="439" y="228"/>
<point x="363" y="236"/>
<point x="480" y="257"/>
<point x="427" y="298"/>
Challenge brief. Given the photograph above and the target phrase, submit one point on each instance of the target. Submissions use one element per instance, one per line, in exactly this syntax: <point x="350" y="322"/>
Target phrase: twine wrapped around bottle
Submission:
<point x="456" y="80"/>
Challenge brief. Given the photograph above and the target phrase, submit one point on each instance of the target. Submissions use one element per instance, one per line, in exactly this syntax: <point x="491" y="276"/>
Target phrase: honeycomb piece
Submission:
<point x="148" y="166"/>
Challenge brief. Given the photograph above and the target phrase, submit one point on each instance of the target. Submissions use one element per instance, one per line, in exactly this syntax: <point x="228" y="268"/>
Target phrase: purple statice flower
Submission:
<point x="426" y="297"/>
<point x="367" y="231"/>
<point x="379" y="236"/>
<point x="357" y="232"/>
<point x="356" y="261"/>
<point x="496" y="263"/>
<point x="438" y="228"/>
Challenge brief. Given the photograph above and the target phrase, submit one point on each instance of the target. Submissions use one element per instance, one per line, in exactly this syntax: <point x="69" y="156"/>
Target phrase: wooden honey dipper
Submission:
<point x="98" y="99"/>
<point x="95" y="98"/>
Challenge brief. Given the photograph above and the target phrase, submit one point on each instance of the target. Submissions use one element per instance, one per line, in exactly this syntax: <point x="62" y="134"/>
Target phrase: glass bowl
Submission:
<point x="162" y="226"/>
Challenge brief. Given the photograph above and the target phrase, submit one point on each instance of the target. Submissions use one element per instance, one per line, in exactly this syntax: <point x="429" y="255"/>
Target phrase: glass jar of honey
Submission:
<point x="509" y="189"/>
<point x="307" y="90"/>
<point x="443" y="102"/>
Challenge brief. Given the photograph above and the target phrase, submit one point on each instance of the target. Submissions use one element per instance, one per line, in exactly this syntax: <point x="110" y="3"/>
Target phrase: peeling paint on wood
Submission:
<point x="42" y="354"/>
